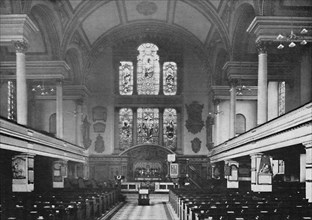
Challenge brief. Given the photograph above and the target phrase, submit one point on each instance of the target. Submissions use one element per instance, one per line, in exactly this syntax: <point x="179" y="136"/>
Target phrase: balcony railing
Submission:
<point x="22" y="139"/>
<point x="286" y="130"/>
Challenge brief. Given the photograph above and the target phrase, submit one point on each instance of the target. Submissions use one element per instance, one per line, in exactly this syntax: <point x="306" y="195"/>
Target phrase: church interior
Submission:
<point x="111" y="105"/>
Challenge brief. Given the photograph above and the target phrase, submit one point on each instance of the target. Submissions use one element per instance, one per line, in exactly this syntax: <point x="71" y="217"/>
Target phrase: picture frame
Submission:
<point x="174" y="170"/>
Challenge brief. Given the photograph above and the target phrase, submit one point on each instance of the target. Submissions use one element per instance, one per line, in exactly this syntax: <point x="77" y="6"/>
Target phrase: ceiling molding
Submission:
<point x="267" y="28"/>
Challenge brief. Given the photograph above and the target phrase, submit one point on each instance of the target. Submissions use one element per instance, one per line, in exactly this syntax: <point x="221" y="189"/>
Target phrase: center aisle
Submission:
<point x="159" y="209"/>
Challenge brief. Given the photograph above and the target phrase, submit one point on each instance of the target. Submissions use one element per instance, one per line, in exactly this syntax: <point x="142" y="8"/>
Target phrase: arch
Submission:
<point x="74" y="59"/>
<point x="242" y="41"/>
<point x="221" y="58"/>
<point x="44" y="15"/>
<point x="136" y="147"/>
<point x="240" y="125"/>
<point x="156" y="32"/>
<point x="52" y="123"/>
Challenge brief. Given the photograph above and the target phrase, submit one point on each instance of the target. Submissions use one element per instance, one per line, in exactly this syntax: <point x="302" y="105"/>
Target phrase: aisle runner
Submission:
<point x="132" y="211"/>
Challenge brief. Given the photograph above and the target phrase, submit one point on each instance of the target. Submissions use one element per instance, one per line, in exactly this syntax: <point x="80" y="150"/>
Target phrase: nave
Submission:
<point x="158" y="209"/>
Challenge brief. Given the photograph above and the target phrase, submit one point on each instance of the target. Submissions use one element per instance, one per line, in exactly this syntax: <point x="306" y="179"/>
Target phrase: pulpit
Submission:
<point x="143" y="198"/>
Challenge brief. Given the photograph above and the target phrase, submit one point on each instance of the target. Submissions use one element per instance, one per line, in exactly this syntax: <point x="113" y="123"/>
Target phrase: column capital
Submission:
<point x="233" y="82"/>
<point x="307" y="144"/>
<point x="261" y="47"/>
<point x="216" y="101"/>
<point x="79" y="101"/>
<point x="256" y="155"/>
<point x="21" y="46"/>
<point x="59" y="81"/>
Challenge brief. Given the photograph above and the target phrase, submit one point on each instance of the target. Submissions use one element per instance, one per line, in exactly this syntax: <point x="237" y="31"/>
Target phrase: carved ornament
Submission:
<point x="146" y="7"/>
<point x="261" y="47"/>
<point x="99" y="144"/>
<point x="196" y="145"/>
<point x="86" y="133"/>
<point x="194" y="123"/>
<point x="20" y="46"/>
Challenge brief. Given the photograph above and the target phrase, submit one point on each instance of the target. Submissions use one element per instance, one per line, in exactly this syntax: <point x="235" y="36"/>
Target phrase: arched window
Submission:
<point x="170" y="128"/>
<point x="148" y="70"/>
<point x="148" y="125"/>
<point x="240" y="125"/>
<point x="148" y="74"/>
<point x="125" y="128"/>
<point x="143" y="120"/>
<point x="126" y="78"/>
<point x="52" y="124"/>
<point x="170" y="78"/>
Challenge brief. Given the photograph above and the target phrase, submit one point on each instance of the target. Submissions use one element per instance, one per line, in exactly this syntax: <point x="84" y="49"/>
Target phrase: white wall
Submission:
<point x="195" y="89"/>
<point x="248" y="108"/>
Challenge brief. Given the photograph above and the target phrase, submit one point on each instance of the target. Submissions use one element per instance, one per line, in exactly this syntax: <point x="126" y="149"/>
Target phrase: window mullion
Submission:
<point x="135" y="126"/>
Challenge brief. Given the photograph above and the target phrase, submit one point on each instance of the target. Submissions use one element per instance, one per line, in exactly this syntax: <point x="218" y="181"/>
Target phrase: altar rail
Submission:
<point x="156" y="186"/>
<point x="20" y="138"/>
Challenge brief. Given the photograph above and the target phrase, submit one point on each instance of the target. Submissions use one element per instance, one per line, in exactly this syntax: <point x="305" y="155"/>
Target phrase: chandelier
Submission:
<point x="241" y="89"/>
<point x="43" y="90"/>
<point x="292" y="39"/>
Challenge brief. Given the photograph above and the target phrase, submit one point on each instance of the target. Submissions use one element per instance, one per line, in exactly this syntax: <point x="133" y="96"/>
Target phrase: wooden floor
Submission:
<point x="159" y="209"/>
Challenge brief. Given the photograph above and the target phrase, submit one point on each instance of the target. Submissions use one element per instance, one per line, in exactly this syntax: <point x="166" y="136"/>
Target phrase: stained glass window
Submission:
<point x="170" y="128"/>
<point x="148" y="125"/>
<point x="281" y="98"/>
<point x="125" y="128"/>
<point x="170" y="78"/>
<point x="148" y="70"/>
<point x="11" y="101"/>
<point x="126" y="78"/>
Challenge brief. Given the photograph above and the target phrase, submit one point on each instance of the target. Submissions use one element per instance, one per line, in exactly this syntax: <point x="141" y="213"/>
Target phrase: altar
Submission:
<point x="147" y="163"/>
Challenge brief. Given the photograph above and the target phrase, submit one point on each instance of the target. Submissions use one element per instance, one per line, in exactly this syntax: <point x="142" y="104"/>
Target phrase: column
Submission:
<point x="23" y="181"/>
<point x="261" y="173"/>
<point x="306" y="78"/>
<point x="213" y="166"/>
<point x="232" y="174"/>
<point x="160" y="130"/>
<point x="308" y="147"/>
<point x="217" y="122"/>
<point x="135" y="81"/>
<point x="59" y="109"/>
<point x="273" y="107"/>
<point x="78" y="121"/>
<point x="262" y="105"/>
<point x="59" y="173"/>
<point x="21" y="85"/>
<point x="135" y="126"/>
<point x="232" y="109"/>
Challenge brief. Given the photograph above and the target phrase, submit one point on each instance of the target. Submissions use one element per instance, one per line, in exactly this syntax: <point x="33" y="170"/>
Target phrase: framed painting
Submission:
<point x="174" y="170"/>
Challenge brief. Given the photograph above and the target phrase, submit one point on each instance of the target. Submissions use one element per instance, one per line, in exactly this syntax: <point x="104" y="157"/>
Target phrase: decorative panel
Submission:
<point x="148" y="125"/>
<point x="125" y="128"/>
<point x="148" y="70"/>
<point x="170" y="128"/>
<point x="126" y="78"/>
<point x="170" y="78"/>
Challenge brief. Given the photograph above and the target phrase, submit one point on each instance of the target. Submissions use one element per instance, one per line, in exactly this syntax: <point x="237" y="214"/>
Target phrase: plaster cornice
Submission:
<point x="37" y="69"/>
<point x="15" y="27"/>
<point x="267" y="28"/>
<point x="249" y="70"/>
